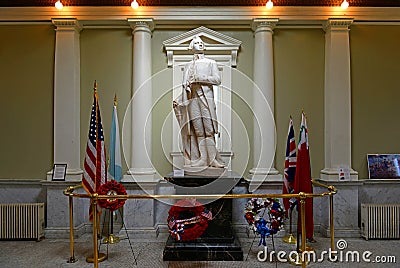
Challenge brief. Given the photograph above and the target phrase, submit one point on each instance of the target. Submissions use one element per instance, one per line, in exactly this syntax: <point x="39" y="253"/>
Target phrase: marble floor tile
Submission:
<point x="51" y="253"/>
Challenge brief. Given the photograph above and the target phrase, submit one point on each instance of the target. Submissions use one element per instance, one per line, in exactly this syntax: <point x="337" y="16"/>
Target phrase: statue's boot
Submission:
<point x="202" y="161"/>
<point x="217" y="164"/>
<point x="219" y="160"/>
<point x="213" y="153"/>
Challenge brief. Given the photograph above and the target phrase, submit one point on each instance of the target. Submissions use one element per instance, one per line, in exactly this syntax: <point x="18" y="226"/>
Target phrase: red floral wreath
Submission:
<point x="111" y="188"/>
<point x="186" y="229"/>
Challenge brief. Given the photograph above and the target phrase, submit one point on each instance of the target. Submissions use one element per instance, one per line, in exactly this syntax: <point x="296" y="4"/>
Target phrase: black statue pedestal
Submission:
<point x="218" y="242"/>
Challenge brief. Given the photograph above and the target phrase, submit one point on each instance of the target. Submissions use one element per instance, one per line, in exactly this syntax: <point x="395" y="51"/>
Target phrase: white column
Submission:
<point x="337" y="100"/>
<point x="264" y="123"/>
<point x="141" y="167"/>
<point x="67" y="98"/>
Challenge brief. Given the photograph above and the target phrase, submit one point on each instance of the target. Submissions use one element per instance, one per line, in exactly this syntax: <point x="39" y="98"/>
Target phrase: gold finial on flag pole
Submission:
<point x="95" y="85"/>
<point x="115" y="100"/>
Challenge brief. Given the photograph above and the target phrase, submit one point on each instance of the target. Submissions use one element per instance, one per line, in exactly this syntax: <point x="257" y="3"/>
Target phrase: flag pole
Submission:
<point x="97" y="256"/>
<point x="97" y="135"/>
<point x="112" y="239"/>
<point x="290" y="239"/>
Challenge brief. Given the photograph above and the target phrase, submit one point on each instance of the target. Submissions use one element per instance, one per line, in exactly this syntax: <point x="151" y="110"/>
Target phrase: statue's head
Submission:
<point x="196" y="45"/>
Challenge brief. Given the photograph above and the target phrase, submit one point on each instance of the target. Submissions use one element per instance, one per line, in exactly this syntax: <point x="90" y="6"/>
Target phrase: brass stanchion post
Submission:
<point x="71" y="231"/>
<point x="95" y="250"/>
<point x="303" y="228"/>
<point x="97" y="257"/>
<point x="331" y="221"/>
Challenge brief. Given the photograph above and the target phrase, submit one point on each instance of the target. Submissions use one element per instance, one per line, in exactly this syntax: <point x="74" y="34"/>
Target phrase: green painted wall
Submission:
<point x="299" y="85"/>
<point x="242" y="101"/>
<point x="162" y="113"/>
<point x="375" y="69"/>
<point x="26" y="102"/>
<point x="26" y="77"/>
<point x="106" y="56"/>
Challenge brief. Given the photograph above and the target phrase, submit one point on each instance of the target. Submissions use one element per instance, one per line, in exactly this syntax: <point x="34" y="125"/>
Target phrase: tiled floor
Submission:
<point x="51" y="253"/>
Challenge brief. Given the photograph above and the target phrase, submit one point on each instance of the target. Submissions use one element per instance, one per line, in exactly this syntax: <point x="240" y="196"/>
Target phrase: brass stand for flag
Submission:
<point x="111" y="238"/>
<point x="290" y="239"/>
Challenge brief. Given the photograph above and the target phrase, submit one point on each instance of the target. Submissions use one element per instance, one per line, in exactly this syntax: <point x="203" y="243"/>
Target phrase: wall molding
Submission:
<point x="190" y="17"/>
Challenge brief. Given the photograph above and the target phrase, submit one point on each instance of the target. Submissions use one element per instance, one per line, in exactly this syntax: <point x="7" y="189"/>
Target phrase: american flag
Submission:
<point x="290" y="165"/>
<point x="95" y="171"/>
<point x="171" y="223"/>
<point x="207" y="214"/>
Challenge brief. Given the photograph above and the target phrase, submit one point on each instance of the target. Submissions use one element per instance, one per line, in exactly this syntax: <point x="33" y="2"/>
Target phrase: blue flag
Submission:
<point x="115" y="166"/>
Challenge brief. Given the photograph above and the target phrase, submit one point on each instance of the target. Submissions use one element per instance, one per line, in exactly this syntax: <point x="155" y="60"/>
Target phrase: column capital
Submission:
<point x="337" y="24"/>
<point x="141" y="24"/>
<point x="264" y="24"/>
<point x="67" y="24"/>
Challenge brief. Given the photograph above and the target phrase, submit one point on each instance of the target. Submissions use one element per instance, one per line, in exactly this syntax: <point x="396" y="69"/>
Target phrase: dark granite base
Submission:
<point x="227" y="177"/>
<point x="209" y="247"/>
<point x="218" y="242"/>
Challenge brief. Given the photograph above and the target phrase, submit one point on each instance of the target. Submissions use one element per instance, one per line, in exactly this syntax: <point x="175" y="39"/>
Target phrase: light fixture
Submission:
<point x="59" y="5"/>
<point x="344" y="4"/>
<point x="134" y="4"/>
<point x="269" y="4"/>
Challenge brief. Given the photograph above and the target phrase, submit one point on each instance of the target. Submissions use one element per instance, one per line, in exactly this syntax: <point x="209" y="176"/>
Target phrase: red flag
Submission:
<point x="290" y="166"/>
<point x="95" y="171"/>
<point x="302" y="181"/>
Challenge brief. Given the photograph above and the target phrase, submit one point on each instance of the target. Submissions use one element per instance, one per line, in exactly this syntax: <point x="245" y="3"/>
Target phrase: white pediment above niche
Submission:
<point x="215" y="43"/>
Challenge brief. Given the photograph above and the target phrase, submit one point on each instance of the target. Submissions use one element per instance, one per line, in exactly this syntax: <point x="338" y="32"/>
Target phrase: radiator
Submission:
<point x="22" y="221"/>
<point x="380" y="221"/>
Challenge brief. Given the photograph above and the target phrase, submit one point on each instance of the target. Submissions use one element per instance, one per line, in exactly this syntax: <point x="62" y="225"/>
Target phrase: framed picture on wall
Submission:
<point x="383" y="166"/>
<point x="59" y="172"/>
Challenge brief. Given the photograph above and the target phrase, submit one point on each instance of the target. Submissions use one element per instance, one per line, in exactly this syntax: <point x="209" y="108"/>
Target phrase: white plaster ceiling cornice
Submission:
<point x="189" y="17"/>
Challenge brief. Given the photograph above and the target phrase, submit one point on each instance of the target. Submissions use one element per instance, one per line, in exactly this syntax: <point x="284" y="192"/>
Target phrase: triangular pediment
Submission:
<point x="213" y="41"/>
<point x="209" y="37"/>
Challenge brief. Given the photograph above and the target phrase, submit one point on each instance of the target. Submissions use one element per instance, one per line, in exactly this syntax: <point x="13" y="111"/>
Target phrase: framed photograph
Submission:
<point x="59" y="172"/>
<point x="383" y="166"/>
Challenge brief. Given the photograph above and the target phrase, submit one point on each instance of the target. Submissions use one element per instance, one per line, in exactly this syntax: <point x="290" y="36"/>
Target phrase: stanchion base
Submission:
<point x="289" y="239"/>
<point x="71" y="260"/>
<point x="308" y="248"/>
<point x="111" y="239"/>
<point x="101" y="257"/>
<point x="297" y="262"/>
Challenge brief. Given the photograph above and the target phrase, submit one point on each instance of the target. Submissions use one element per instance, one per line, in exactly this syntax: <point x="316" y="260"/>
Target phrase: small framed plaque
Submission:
<point x="59" y="172"/>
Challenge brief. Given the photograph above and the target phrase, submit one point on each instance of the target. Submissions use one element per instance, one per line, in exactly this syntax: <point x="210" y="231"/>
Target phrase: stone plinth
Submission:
<point x="218" y="242"/>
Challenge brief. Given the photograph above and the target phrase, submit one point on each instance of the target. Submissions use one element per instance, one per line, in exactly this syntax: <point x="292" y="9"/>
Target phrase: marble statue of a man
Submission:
<point x="196" y="111"/>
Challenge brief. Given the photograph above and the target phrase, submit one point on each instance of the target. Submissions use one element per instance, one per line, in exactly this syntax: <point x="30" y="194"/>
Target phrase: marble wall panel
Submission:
<point x="22" y="192"/>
